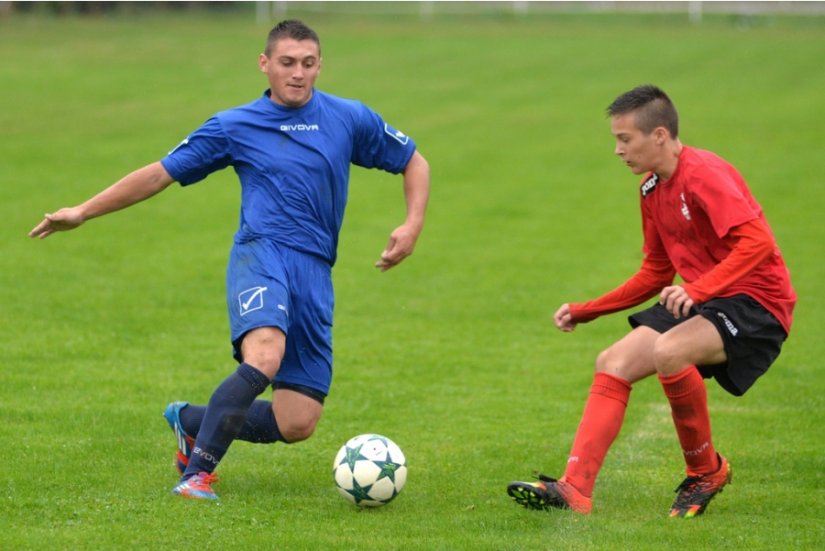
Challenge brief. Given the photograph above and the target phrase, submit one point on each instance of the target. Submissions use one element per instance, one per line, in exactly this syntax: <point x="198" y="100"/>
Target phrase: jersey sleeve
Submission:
<point x="722" y="197"/>
<point x="751" y="243"/>
<point x="379" y="145"/>
<point x="656" y="273"/>
<point x="203" y="152"/>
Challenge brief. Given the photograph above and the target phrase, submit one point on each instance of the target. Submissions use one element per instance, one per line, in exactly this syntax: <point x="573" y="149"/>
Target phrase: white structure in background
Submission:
<point x="266" y="12"/>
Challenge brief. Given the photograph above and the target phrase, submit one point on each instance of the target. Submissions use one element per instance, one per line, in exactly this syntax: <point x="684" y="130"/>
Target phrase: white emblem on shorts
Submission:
<point x="729" y="324"/>
<point x="251" y="299"/>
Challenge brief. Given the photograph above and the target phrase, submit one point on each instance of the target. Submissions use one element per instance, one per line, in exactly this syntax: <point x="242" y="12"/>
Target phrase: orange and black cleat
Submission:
<point x="549" y="493"/>
<point x="695" y="492"/>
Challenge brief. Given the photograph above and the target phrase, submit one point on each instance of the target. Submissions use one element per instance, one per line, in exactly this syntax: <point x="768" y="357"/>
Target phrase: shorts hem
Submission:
<point x="307" y="390"/>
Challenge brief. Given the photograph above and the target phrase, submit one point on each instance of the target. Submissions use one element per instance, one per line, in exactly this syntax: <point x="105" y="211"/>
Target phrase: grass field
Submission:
<point x="453" y="355"/>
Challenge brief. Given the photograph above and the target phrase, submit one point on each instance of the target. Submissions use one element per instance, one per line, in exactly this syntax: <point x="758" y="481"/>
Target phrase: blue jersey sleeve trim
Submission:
<point x="203" y="152"/>
<point x="379" y="145"/>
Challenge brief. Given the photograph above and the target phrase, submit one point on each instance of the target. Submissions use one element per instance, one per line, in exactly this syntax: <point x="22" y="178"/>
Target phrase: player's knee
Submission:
<point x="617" y="362"/>
<point x="268" y="365"/>
<point x="666" y="356"/>
<point x="609" y="362"/>
<point x="264" y="349"/>
<point x="297" y="430"/>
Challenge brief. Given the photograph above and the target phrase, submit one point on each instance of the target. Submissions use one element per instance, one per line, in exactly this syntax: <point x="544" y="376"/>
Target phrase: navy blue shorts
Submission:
<point x="751" y="335"/>
<point x="269" y="285"/>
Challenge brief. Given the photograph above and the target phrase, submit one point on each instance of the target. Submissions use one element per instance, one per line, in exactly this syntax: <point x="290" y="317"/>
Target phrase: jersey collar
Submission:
<point x="267" y="96"/>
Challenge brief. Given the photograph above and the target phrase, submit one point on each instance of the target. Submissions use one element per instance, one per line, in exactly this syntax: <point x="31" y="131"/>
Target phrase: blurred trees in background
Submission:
<point x="107" y="8"/>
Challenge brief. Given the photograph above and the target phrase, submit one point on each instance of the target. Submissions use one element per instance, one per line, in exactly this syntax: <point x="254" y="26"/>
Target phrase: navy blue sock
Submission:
<point x="225" y="415"/>
<point x="260" y="426"/>
<point x="191" y="418"/>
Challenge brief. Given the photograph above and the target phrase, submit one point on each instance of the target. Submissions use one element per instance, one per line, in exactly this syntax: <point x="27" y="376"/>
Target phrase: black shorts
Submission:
<point x="752" y="337"/>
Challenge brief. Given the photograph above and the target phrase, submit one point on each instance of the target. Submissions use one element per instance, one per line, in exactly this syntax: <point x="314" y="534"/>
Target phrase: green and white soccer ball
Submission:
<point x="370" y="470"/>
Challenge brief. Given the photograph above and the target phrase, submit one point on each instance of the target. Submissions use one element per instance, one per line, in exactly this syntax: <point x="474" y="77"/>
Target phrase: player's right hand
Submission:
<point x="564" y="319"/>
<point x="62" y="220"/>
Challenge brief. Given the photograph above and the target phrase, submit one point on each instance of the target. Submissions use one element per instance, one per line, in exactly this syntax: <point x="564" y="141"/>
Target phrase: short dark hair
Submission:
<point x="652" y="107"/>
<point x="290" y="28"/>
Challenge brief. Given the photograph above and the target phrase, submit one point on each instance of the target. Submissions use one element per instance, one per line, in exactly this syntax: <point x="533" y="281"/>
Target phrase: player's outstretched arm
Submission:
<point x="133" y="188"/>
<point x="416" y="193"/>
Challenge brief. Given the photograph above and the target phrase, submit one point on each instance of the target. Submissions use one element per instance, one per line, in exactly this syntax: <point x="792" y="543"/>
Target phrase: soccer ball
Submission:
<point x="369" y="470"/>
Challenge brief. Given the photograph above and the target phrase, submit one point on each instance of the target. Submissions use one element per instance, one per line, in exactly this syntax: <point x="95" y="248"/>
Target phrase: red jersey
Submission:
<point x="691" y="223"/>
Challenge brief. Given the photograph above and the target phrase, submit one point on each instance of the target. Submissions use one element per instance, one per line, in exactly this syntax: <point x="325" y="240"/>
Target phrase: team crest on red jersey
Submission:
<point x="685" y="209"/>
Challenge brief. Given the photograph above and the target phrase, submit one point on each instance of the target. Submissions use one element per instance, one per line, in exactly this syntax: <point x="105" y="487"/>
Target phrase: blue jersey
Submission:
<point x="293" y="164"/>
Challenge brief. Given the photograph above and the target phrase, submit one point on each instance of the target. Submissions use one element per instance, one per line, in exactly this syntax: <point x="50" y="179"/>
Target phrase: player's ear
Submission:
<point x="661" y="134"/>
<point x="263" y="63"/>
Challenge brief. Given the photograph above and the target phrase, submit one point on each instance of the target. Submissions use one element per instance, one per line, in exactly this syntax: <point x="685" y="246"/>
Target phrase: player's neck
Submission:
<point x="670" y="160"/>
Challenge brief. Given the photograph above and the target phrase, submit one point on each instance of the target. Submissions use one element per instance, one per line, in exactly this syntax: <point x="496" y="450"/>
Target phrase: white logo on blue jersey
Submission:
<point x="396" y="134"/>
<point x="300" y="128"/>
<point x="181" y="144"/>
<point x="251" y="299"/>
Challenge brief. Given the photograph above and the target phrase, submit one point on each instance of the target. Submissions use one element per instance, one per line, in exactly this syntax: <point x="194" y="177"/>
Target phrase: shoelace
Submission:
<point x="544" y="477"/>
<point x="689" y="486"/>
<point x="686" y="483"/>
<point x="206" y="478"/>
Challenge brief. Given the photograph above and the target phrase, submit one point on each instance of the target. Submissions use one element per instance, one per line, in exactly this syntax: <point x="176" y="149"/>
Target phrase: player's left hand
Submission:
<point x="63" y="220"/>
<point x="676" y="300"/>
<point x="400" y="246"/>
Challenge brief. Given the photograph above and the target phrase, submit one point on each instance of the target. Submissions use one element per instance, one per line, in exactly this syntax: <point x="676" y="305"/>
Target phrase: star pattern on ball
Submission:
<point x="359" y="493"/>
<point x="388" y="469"/>
<point x="370" y="470"/>
<point x="353" y="455"/>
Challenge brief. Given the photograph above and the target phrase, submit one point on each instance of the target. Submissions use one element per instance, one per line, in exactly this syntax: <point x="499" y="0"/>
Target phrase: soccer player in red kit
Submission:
<point x="726" y="319"/>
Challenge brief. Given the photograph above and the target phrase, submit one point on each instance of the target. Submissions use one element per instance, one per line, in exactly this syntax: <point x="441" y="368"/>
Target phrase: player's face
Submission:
<point x="292" y="67"/>
<point x="638" y="150"/>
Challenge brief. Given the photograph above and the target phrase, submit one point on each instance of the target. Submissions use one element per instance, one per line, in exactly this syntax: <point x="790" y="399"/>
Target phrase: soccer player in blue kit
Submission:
<point x="292" y="151"/>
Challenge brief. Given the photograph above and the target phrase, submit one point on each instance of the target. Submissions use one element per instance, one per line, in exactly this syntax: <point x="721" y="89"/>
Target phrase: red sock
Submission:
<point x="689" y="407"/>
<point x="601" y="421"/>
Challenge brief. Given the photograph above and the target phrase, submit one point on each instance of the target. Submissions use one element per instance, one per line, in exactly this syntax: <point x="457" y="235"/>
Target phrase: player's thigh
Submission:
<point x="695" y="342"/>
<point x="263" y="348"/>
<point x="630" y="358"/>
<point x="296" y="414"/>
